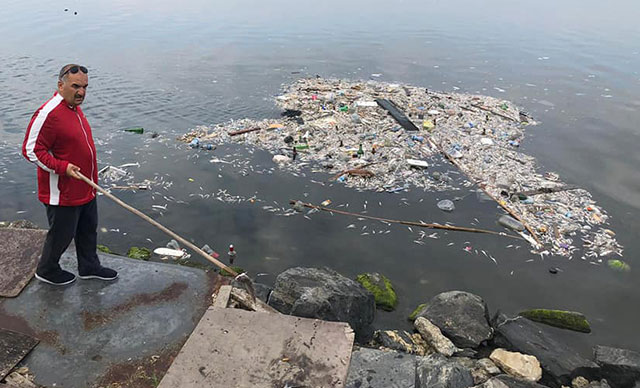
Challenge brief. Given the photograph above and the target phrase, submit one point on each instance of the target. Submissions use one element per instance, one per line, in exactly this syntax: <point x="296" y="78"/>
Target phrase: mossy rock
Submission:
<point x="139" y="253"/>
<point x="104" y="248"/>
<point x="619" y="265"/>
<point x="381" y="289"/>
<point x="224" y="272"/>
<point x="570" y="320"/>
<point x="414" y="315"/>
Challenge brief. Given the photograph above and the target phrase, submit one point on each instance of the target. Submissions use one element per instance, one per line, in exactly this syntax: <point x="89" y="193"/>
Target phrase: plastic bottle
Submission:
<point x="195" y="143"/>
<point x="232" y="254"/>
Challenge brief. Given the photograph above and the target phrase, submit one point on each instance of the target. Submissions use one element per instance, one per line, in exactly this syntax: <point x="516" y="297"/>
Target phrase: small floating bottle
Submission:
<point x="232" y="254"/>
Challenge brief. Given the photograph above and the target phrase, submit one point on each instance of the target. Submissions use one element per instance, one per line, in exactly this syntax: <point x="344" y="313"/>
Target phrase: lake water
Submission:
<point x="170" y="66"/>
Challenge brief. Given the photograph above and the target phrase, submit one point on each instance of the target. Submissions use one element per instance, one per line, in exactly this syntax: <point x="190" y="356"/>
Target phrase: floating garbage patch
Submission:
<point x="387" y="137"/>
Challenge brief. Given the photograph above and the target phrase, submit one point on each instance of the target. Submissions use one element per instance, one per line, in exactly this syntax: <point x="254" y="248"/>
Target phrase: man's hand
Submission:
<point x="73" y="170"/>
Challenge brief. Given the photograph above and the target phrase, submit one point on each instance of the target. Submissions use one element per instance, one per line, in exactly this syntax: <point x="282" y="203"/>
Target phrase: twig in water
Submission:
<point x="411" y="223"/>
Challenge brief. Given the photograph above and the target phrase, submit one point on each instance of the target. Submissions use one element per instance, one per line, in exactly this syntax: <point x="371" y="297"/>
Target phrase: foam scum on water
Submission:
<point x="336" y="126"/>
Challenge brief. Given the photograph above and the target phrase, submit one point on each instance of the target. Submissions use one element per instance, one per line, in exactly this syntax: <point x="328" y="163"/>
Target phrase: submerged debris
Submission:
<point x="339" y="128"/>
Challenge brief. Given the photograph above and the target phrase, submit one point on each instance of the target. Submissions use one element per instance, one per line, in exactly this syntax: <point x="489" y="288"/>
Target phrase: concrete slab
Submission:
<point x="13" y="348"/>
<point x="373" y="368"/>
<point x="94" y="332"/>
<point x="237" y="348"/>
<point x="20" y="250"/>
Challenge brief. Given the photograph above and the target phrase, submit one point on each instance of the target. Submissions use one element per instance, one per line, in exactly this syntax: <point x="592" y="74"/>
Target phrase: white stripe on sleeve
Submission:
<point x="35" y="131"/>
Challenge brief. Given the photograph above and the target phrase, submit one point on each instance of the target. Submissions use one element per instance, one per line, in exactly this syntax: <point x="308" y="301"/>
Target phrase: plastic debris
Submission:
<point x="280" y="159"/>
<point x="173" y="244"/>
<point x="174" y="253"/>
<point x="446" y="205"/>
<point x="511" y="223"/>
<point x="619" y="265"/>
<point x="417" y="163"/>
<point x="232" y="254"/>
<point x="480" y="134"/>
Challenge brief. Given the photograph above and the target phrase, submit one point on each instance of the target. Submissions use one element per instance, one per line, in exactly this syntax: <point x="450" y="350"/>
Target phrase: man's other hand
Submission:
<point x="73" y="170"/>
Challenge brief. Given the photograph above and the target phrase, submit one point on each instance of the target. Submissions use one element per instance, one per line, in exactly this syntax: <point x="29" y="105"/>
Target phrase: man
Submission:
<point x="59" y="141"/>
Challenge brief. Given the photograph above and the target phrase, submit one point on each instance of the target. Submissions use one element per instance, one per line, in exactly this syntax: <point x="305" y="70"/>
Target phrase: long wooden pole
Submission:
<point x="502" y="203"/>
<point x="410" y="223"/>
<point x="155" y="223"/>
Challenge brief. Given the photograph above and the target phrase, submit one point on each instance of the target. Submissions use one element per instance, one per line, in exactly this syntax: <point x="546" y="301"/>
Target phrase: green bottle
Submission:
<point x="138" y="130"/>
<point x="360" y="151"/>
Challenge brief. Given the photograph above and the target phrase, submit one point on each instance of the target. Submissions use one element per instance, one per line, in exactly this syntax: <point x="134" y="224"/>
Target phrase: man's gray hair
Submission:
<point x="65" y="71"/>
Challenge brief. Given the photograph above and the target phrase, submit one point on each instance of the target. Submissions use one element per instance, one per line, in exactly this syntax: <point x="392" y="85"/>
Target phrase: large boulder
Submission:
<point x="436" y="371"/>
<point x="462" y="316"/>
<point x="434" y="337"/>
<point x="373" y="368"/>
<point x="522" y="366"/>
<point x="620" y="367"/>
<point x="325" y="294"/>
<point x="560" y="363"/>
<point x="505" y="381"/>
<point x="569" y="320"/>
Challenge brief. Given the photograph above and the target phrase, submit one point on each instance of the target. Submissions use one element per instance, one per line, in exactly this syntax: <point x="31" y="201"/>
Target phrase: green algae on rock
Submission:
<point x="414" y="315"/>
<point x="381" y="289"/>
<point x="224" y="272"/>
<point x="570" y="320"/>
<point x="104" y="248"/>
<point x="139" y="253"/>
<point x="619" y="265"/>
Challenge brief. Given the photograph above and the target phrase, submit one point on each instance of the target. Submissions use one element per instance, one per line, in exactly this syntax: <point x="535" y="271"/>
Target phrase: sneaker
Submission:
<point x="58" y="278"/>
<point x="101" y="273"/>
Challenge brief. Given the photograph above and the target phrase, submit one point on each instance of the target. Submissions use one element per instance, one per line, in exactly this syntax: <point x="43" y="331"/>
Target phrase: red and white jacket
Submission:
<point x="56" y="136"/>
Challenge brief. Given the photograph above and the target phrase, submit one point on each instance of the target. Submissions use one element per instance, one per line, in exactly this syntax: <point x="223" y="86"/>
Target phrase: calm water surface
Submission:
<point x="169" y="66"/>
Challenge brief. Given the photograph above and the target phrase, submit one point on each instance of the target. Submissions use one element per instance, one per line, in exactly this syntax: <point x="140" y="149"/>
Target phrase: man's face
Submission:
<point x="73" y="88"/>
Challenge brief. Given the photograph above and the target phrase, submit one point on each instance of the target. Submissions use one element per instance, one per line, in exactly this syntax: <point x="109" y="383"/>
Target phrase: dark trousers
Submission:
<point x="67" y="223"/>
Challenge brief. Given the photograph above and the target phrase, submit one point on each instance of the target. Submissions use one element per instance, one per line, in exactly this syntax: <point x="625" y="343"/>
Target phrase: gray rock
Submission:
<point x="478" y="371"/>
<point x="436" y="371"/>
<point x="466" y="352"/>
<point x="489" y="366"/>
<point x="506" y="381"/>
<point x="401" y="341"/>
<point x="434" y="337"/>
<point x="602" y="384"/>
<point x="462" y="316"/>
<point x="373" y="368"/>
<point x="262" y="291"/>
<point x="579" y="382"/>
<point x="325" y="294"/>
<point x="621" y="367"/>
<point x="560" y="363"/>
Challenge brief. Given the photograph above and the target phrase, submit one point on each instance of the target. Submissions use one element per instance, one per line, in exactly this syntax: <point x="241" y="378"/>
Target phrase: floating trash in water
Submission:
<point x="446" y="205"/>
<point x="480" y="135"/>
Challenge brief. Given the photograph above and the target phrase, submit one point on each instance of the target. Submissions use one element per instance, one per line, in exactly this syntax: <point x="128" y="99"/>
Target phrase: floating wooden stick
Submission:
<point x="500" y="202"/>
<point x="410" y="223"/>
<point x="240" y="132"/>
